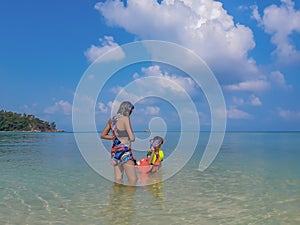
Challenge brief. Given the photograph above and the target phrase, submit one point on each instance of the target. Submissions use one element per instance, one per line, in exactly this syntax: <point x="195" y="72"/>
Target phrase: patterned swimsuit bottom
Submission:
<point x="120" y="153"/>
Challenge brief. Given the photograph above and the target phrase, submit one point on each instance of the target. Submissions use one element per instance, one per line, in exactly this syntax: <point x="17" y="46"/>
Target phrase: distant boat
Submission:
<point x="147" y="130"/>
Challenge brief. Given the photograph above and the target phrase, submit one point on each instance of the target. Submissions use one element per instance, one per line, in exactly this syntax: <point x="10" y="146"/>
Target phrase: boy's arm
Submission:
<point x="162" y="155"/>
<point x="150" y="154"/>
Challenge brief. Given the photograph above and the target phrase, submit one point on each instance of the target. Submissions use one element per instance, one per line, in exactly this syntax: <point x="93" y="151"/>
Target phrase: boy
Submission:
<point x="155" y="155"/>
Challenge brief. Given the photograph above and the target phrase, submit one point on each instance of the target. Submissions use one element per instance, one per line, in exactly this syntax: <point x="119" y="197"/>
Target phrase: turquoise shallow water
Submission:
<point x="255" y="179"/>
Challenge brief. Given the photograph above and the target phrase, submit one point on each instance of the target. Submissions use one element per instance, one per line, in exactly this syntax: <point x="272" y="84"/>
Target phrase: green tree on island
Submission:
<point x="10" y="121"/>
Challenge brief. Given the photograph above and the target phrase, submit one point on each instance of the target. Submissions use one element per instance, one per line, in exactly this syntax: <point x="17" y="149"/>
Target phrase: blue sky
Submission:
<point x="252" y="47"/>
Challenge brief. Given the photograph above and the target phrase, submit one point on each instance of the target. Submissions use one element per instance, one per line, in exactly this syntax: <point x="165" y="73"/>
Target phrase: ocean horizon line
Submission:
<point x="141" y="131"/>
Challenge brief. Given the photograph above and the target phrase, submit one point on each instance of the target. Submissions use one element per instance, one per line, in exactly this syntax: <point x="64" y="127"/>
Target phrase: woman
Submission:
<point x="122" y="137"/>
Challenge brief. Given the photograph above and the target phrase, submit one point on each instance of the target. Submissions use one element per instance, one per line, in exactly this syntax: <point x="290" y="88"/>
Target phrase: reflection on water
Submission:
<point x="155" y="183"/>
<point x="127" y="204"/>
<point x="156" y="190"/>
<point x="121" y="208"/>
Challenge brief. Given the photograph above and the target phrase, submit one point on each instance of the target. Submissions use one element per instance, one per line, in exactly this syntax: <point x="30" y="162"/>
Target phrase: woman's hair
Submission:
<point x="125" y="108"/>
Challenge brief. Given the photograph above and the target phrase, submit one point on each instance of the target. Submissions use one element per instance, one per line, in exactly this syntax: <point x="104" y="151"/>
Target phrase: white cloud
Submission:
<point x="254" y="100"/>
<point x="281" y="22"/>
<point x="110" y="107"/>
<point x="102" y="107"/>
<point x="186" y="83"/>
<point x="256" y="15"/>
<point x="289" y="114"/>
<point x="136" y="76"/>
<point x="124" y="95"/>
<point x="201" y="25"/>
<point x="154" y="82"/>
<point x="114" y="106"/>
<point x="234" y="113"/>
<point x="238" y="101"/>
<point x="107" y="44"/>
<point x="152" y="110"/>
<point x="251" y="85"/>
<point x="60" y="107"/>
<point x="278" y="78"/>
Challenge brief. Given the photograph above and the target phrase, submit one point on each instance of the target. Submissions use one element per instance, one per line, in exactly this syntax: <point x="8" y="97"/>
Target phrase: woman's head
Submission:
<point x="125" y="108"/>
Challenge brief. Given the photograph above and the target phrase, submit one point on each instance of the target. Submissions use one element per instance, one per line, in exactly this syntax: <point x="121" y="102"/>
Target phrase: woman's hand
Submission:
<point x="105" y="133"/>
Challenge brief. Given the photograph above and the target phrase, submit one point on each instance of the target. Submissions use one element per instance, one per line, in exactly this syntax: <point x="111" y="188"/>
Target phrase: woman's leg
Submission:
<point x="130" y="172"/>
<point x="118" y="171"/>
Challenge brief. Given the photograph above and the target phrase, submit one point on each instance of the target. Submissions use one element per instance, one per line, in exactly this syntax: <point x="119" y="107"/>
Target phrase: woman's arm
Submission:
<point x="105" y="132"/>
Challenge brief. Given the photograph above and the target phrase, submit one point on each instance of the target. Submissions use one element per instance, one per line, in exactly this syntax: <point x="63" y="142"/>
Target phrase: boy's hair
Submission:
<point x="156" y="141"/>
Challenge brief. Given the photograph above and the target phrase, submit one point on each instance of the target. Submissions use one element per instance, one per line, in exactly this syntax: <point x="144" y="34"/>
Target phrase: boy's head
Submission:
<point x="156" y="142"/>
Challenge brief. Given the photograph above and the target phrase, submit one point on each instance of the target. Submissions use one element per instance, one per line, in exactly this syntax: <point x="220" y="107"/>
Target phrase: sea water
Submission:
<point x="255" y="179"/>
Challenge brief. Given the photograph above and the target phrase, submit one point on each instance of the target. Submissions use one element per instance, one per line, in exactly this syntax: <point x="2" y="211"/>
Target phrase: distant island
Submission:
<point x="10" y="121"/>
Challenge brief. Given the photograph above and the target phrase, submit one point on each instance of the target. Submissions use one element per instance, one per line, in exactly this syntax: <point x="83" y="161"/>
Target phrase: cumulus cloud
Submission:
<point x="238" y="101"/>
<point x="186" y="83"/>
<point x="255" y="101"/>
<point x="251" y="85"/>
<point x="152" y="110"/>
<point x="289" y="114"/>
<point x="102" y="107"/>
<point x="278" y="78"/>
<point x="60" y="107"/>
<point x="111" y="107"/>
<point x="107" y="44"/>
<point x="154" y="81"/>
<point x="201" y="25"/>
<point x="124" y="95"/>
<point x="256" y="15"/>
<point x="281" y="22"/>
<point x="252" y="100"/>
<point x="234" y="113"/>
